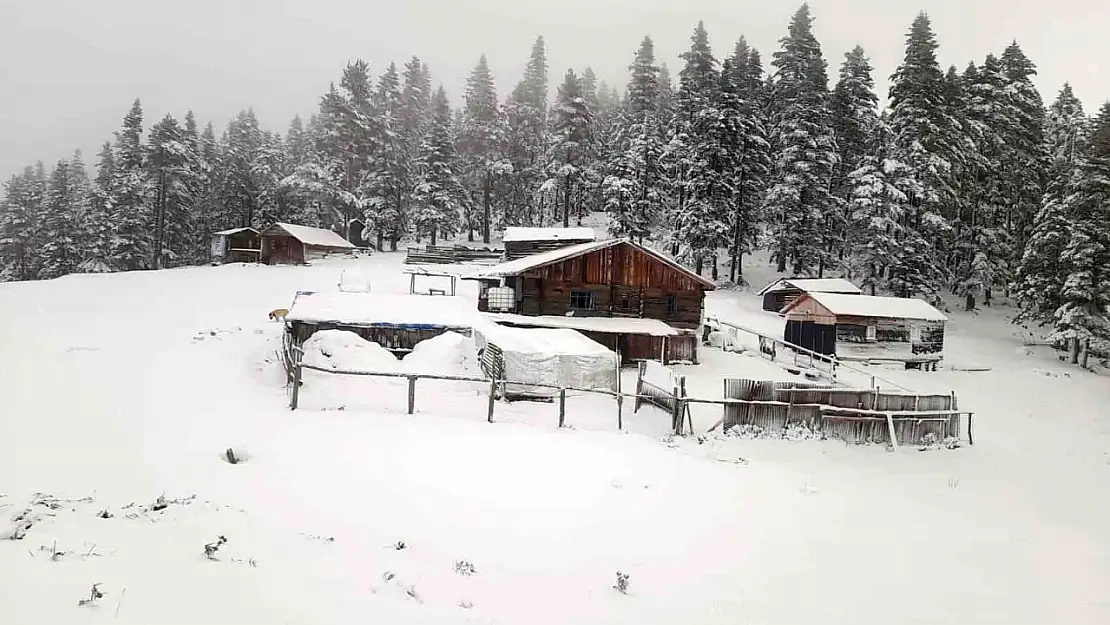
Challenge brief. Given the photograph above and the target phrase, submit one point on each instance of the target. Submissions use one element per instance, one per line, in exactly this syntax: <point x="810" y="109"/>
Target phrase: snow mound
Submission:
<point x="343" y="349"/>
<point x="449" y="353"/>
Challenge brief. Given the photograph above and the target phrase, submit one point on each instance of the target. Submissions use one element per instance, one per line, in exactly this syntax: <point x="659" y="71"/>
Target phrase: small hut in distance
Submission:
<point x="521" y="242"/>
<point x="237" y="245"/>
<point x="288" y="243"/>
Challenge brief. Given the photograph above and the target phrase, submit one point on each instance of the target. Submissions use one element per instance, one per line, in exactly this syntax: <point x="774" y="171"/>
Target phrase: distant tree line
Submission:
<point x="965" y="183"/>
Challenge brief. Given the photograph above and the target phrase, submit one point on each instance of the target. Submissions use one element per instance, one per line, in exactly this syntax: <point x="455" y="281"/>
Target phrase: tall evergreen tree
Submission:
<point x="482" y="142"/>
<point x="440" y="196"/>
<point x="855" y="120"/>
<point x="96" y="244"/>
<point x="170" y="166"/>
<point x="799" y="200"/>
<point x="132" y="197"/>
<point x="573" y="128"/>
<point x="20" y="225"/>
<point x="526" y="116"/>
<point x="1041" y="275"/>
<point x="1025" y="161"/>
<point x="60" y="254"/>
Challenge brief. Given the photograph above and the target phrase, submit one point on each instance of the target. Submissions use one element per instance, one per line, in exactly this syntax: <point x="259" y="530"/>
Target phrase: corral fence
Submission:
<point x="451" y="255"/>
<point x="852" y="415"/>
<point x="824" y="365"/>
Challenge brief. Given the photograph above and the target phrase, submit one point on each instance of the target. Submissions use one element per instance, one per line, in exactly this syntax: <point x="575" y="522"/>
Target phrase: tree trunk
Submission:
<point x="969" y="304"/>
<point x="987" y="296"/>
<point x="393" y="244"/>
<point x="1073" y="350"/>
<point x="566" y="204"/>
<point x="486" y="208"/>
<point x="1083" y="355"/>
<point x="713" y="269"/>
<point x="699" y="265"/>
<point x="780" y="258"/>
<point x="433" y="241"/>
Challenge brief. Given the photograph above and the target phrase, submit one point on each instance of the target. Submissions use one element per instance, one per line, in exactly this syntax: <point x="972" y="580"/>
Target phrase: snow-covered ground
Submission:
<point x="118" y="389"/>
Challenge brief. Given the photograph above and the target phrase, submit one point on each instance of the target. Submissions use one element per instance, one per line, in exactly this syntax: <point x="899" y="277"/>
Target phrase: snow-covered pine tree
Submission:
<point x="1025" y="161"/>
<point x="925" y="136"/>
<point x="96" y="231"/>
<point x="1041" y="276"/>
<point x="699" y="166"/>
<point x="481" y="143"/>
<point x="1085" y="299"/>
<point x="240" y="190"/>
<point x="573" y="132"/>
<point x="169" y="165"/>
<point x="440" y="197"/>
<point x="387" y="183"/>
<point x="855" y="118"/>
<point x="20" y="227"/>
<point x="357" y="133"/>
<point x="60" y="254"/>
<point x="132" y="199"/>
<point x="756" y="161"/>
<point x="526" y="117"/>
<point x="799" y="202"/>
<point x="876" y="204"/>
<point x="271" y="166"/>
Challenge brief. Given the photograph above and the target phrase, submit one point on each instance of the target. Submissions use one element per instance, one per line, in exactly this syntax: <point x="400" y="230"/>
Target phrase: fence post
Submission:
<point x="620" y="411"/>
<point x="492" y="398"/>
<point x="562" y="406"/>
<point x="683" y="407"/>
<point x="639" y="386"/>
<point x="412" y="393"/>
<point x="295" y="396"/>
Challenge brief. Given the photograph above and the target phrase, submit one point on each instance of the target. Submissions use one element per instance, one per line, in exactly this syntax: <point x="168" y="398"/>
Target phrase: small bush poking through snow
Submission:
<point x="464" y="568"/>
<point x="233" y="455"/>
<point x="622" y="583"/>
<point x="94" y="595"/>
<point x="211" y="548"/>
<point x="793" y="432"/>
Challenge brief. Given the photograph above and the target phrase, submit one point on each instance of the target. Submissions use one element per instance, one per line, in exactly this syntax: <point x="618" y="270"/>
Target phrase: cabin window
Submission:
<point x="624" y="302"/>
<point x="581" y="300"/>
<point x="915" y="334"/>
<point x="872" y="332"/>
<point x="672" y="304"/>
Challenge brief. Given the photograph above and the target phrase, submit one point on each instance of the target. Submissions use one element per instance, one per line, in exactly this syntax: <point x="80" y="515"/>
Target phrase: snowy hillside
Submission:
<point x="117" y="390"/>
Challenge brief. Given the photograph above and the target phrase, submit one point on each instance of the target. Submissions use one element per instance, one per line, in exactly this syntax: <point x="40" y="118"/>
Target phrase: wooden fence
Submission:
<point x="450" y="255"/>
<point x="853" y="415"/>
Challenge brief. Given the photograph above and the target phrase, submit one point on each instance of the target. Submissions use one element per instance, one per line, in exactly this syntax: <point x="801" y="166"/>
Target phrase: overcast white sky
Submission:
<point x="69" y="69"/>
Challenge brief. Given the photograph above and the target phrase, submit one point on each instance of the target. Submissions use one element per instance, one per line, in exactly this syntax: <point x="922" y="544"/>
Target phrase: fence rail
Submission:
<point x="833" y="362"/>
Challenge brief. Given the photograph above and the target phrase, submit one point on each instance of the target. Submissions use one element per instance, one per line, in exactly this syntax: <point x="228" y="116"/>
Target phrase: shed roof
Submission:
<point x="317" y="237"/>
<point x="227" y="233"/>
<point x="542" y="340"/>
<point x="605" y="325"/>
<point x="813" y="285"/>
<point x="382" y="309"/>
<point x="543" y="259"/>
<point x="872" y="306"/>
<point x="517" y="234"/>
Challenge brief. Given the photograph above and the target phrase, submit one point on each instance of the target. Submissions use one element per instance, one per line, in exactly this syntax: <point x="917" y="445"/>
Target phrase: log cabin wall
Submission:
<point x="622" y="281"/>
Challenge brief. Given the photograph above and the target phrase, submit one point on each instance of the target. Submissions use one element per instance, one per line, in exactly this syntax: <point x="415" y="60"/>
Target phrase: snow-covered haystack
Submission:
<point x="343" y="349"/>
<point x="449" y="353"/>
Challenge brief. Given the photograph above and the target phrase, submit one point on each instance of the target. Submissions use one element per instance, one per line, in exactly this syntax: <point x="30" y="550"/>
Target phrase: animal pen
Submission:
<point x="396" y="322"/>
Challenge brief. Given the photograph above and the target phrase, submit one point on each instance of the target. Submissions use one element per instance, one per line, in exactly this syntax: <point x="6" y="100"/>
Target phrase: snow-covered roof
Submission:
<point x="550" y="341"/>
<point x="812" y="285"/>
<point x="227" y="233"/>
<point x="872" y="306"/>
<point x="607" y="325"/>
<point x="368" y="309"/>
<point x="314" y="236"/>
<point x="543" y="259"/>
<point x="516" y="234"/>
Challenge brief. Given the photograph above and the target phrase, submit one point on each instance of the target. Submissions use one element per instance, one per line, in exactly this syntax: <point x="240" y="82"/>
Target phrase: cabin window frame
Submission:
<point x="672" y="305"/>
<point x="578" y="297"/>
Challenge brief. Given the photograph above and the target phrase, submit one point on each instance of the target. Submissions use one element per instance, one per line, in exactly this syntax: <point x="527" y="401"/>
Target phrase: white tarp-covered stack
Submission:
<point x="560" y="357"/>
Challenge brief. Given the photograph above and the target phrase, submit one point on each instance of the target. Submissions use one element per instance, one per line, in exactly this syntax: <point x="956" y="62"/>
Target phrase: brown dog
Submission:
<point x="278" y="314"/>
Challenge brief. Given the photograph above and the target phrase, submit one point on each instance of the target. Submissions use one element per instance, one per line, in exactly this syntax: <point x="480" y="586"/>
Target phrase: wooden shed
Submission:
<point x="396" y="322"/>
<point x="237" y="245"/>
<point x="289" y="243"/>
<point x="521" y="242"/>
<point x="780" y="293"/>
<point x="615" y="279"/>
<point x="865" y="327"/>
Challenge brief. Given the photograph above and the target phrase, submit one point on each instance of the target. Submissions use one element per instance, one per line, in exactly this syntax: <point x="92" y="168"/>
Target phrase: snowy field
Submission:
<point x="118" y="389"/>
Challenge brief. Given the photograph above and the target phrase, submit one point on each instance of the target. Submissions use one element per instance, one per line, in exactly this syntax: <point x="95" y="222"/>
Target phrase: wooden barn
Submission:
<point x="780" y="293"/>
<point x="396" y="322"/>
<point x="292" y="244"/>
<point x="237" y="245"/>
<point x="521" y="242"/>
<point x="627" y="297"/>
<point x="865" y="327"/>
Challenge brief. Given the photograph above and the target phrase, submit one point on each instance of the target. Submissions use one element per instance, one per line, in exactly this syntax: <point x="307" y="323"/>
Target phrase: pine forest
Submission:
<point x="966" y="184"/>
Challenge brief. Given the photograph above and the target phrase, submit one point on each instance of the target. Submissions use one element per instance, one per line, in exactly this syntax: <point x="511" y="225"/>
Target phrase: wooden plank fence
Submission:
<point x="450" y="255"/>
<point x="660" y="387"/>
